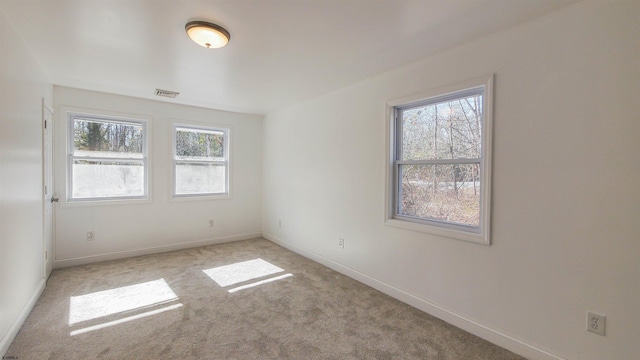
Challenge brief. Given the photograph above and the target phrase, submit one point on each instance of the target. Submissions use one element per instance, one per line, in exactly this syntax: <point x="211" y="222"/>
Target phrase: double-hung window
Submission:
<point x="440" y="163"/>
<point x="107" y="158"/>
<point x="201" y="160"/>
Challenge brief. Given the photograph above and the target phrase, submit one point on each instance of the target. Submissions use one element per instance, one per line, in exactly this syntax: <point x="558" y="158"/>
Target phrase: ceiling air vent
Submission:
<point x="167" y="93"/>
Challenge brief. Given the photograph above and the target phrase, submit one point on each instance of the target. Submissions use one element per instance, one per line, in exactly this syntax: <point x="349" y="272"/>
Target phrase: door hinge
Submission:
<point x="45" y="124"/>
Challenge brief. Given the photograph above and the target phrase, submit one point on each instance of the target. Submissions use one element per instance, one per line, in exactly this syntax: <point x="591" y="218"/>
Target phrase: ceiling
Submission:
<point x="281" y="51"/>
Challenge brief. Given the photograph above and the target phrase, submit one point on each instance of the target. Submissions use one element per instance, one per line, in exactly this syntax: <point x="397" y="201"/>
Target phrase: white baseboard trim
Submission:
<point x="8" y="337"/>
<point x="57" y="264"/>
<point x="503" y="340"/>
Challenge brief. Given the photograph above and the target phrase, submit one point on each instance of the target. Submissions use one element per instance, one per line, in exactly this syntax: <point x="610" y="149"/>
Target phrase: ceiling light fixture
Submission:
<point x="207" y="34"/>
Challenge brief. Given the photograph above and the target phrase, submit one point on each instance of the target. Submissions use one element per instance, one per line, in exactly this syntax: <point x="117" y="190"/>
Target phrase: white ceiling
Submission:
<point x="281" y="51"/>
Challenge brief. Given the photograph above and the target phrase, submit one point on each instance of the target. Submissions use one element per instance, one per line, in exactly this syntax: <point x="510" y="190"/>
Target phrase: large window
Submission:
<point x="201" y="161"/>
<point x="107" y="158"/>
<point x="440" y="168"/>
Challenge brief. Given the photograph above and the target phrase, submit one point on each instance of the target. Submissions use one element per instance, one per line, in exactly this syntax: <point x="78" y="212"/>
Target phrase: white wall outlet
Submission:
<point x="279" y="223"/>
<point x="210" y="223"/>
<point x="596" y="323"/>
<point x="341" y="243"/>
<point x="91" y="235"/>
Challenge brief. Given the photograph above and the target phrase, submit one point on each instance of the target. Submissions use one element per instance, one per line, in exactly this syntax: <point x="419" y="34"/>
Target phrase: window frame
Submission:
<point x="105" y="117"/>
<point x="226" y="130"/>
<point x="480" y="234"/>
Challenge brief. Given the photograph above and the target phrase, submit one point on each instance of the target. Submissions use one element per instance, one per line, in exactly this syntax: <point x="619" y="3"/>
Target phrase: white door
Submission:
<point x="49" y="196"/>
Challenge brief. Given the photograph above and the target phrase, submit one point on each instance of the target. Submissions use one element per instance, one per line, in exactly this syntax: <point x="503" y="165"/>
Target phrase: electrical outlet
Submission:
<point x="91" y="235"/>
<point x="279" y="223"/>
<point x="596" y="323"/>
<point x="341" y="243"/>
<point x="210" y="223"/>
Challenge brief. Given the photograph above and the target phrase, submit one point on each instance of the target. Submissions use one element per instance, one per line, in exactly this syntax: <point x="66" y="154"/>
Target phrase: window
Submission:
<point x="201" y="161"/>
<point x="107" y="158"/>
<point x="440" y="163"/>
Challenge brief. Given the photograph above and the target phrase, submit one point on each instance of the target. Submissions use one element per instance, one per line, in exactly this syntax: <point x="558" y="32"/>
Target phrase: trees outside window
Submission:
<point x="201" y="161"/>
<point x="440" y="162"/>
<point x="107" y="158"/>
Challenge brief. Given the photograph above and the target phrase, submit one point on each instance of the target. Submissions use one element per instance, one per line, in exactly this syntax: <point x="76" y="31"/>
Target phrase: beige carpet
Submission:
<point x="244" y="300"/>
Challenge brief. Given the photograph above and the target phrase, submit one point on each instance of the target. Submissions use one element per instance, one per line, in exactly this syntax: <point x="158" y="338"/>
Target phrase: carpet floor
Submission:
<point x="245" y="300"/>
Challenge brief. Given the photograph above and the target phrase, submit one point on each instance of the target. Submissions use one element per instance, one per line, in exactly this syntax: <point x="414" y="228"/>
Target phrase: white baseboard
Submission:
<point x="8" y="337"/>
<point x="150" y="250"/>
<point x="503" y="340"/>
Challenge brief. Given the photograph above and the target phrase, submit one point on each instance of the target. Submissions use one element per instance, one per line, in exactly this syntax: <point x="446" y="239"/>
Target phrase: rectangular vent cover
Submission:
<point x="167" y="93"/>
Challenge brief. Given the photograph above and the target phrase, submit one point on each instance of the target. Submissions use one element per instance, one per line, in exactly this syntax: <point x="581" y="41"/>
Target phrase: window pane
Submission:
<point x="103" y="179"/>
<point x="107" y="139"/>
<point x="197" y="144"/>
<point x="447" y="193"/>
<point x="200" y="179"/>
<point x="443" y="130"/>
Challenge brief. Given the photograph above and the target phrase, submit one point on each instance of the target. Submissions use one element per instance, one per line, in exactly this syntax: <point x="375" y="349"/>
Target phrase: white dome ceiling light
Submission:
<point x="207" y="34"/>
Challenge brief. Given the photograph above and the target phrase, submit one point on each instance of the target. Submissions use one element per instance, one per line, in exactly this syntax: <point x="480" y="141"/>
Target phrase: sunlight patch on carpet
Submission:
<point x="260" y="282"/>
<point x="126" y="298"/>
<point x="126" y="319"/>
<point x="240" y="272"/>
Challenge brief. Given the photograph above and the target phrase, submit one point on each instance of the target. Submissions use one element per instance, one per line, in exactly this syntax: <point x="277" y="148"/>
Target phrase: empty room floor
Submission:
<point x="245" y="300"/>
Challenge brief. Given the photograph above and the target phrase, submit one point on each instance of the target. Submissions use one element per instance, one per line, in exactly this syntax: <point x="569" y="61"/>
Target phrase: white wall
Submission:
<point x="566" y="201"/>
<point x="23" y="85"/>
<point x="163" y="223"/>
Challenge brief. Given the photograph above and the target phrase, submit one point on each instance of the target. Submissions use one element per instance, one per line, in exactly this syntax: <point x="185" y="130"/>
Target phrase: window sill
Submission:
<point x="106" y="202"/>
<point x="204" y="197"/>
<point x="479" y="238"/>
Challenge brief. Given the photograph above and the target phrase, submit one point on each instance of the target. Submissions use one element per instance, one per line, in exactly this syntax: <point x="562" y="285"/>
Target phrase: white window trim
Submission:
<point x="227" y="161"/>
<point x="70" y="114"/>
<point x="481" y="236"/>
